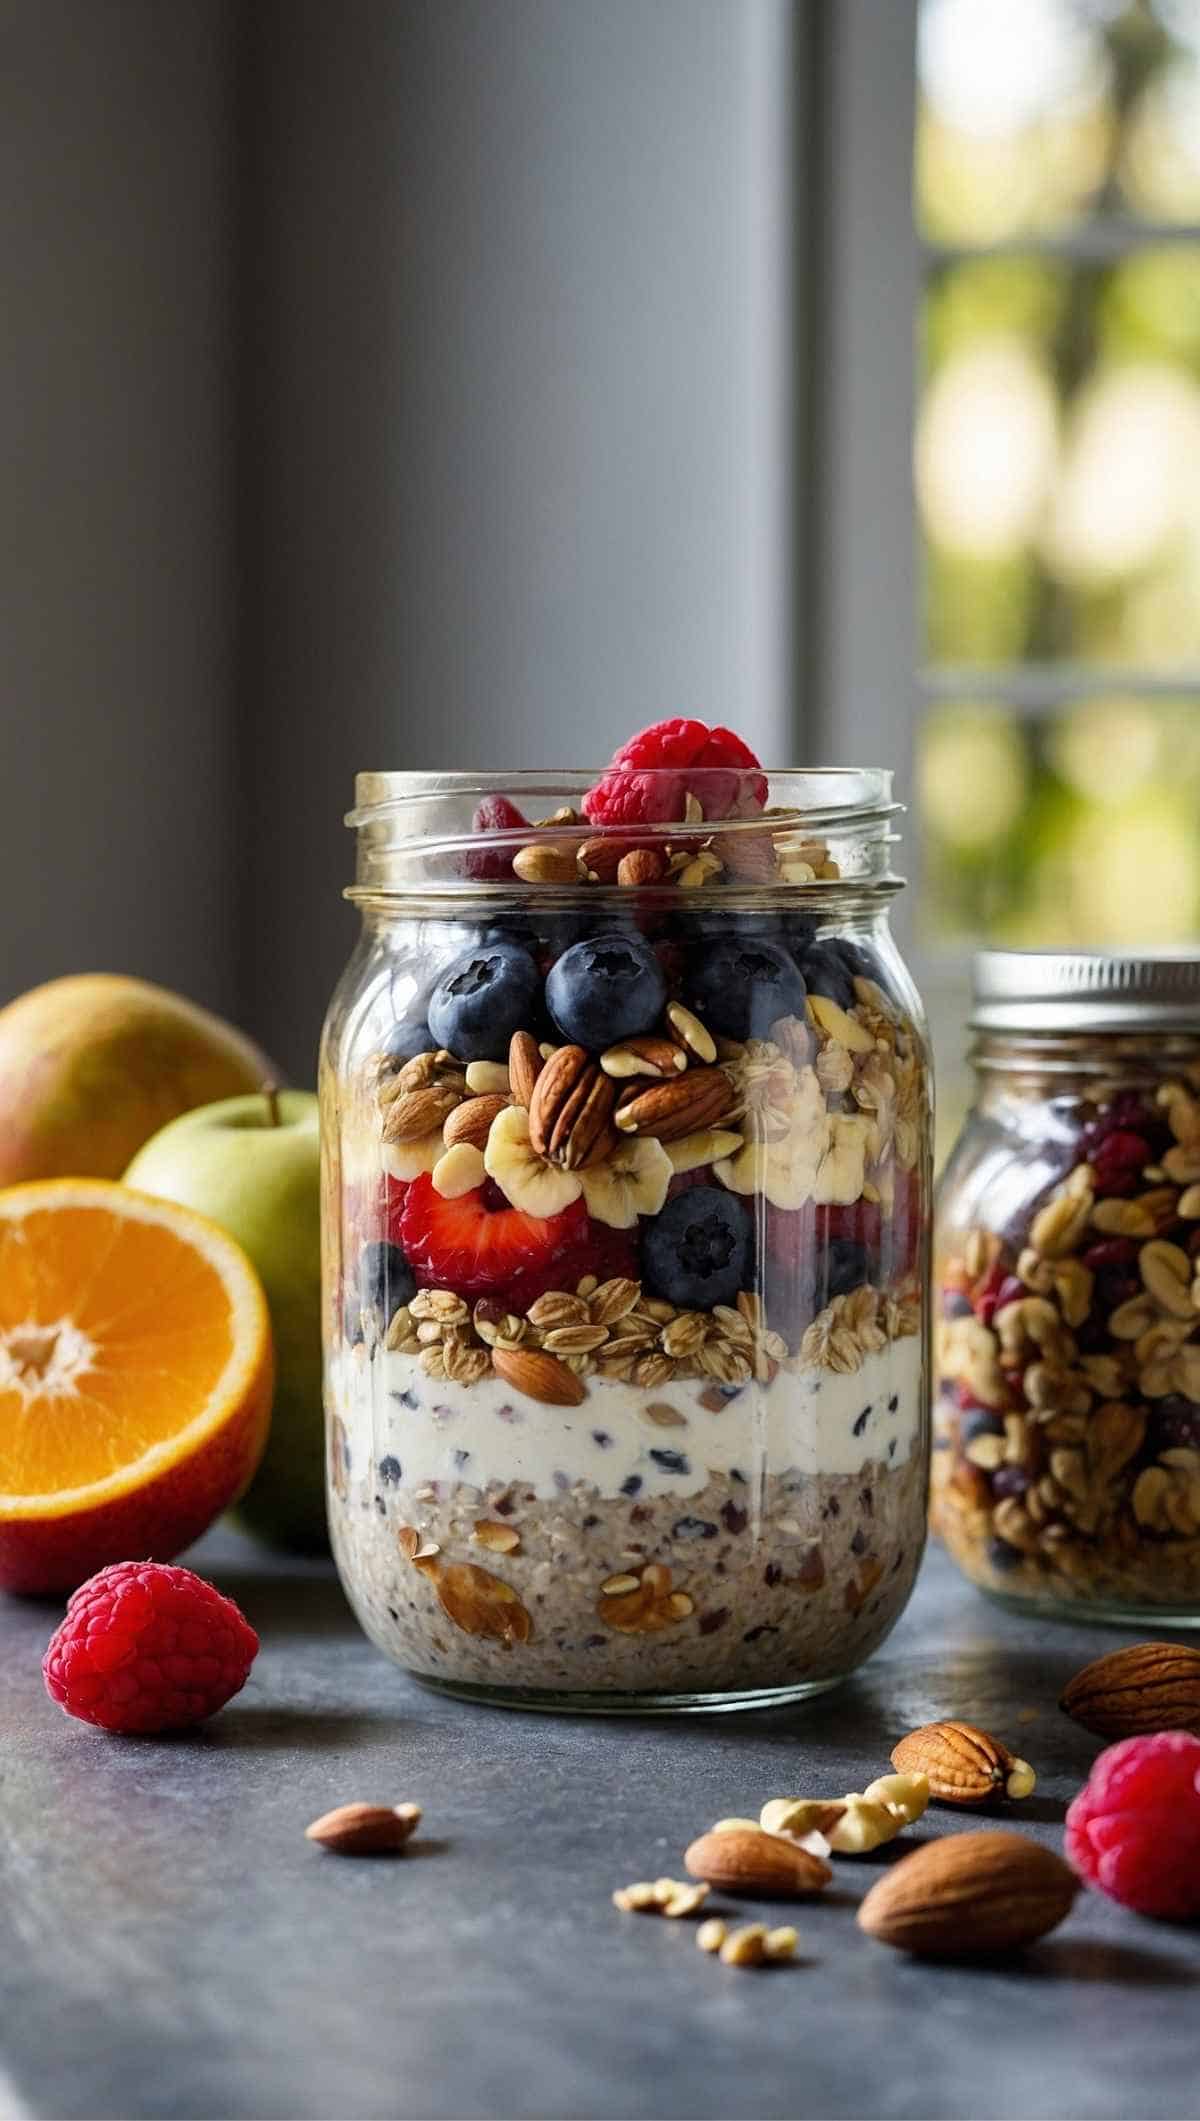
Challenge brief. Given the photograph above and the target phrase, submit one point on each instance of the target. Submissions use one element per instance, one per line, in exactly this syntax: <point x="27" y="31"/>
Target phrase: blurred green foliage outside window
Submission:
<point x="1057" y="470"/>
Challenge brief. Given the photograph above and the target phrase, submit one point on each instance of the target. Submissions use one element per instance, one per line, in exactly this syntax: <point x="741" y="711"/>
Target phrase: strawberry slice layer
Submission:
<point x="479" y="1244"/>
<point x="651" y="776"/>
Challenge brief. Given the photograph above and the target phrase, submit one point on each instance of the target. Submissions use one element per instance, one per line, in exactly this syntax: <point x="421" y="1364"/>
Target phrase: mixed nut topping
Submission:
<point x="1068" y="1422"/>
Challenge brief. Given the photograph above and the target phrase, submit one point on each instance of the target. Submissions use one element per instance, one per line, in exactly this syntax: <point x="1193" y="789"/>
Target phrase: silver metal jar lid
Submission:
<point x="1084" y="990"/>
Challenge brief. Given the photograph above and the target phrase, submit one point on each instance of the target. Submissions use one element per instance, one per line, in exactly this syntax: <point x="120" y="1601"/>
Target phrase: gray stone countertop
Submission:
<point x="170" y="1945"/>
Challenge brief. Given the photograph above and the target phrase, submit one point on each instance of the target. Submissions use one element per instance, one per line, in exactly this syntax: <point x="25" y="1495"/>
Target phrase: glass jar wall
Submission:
<point x="625" y="1219"/>
<point x="1066" y="1468"/>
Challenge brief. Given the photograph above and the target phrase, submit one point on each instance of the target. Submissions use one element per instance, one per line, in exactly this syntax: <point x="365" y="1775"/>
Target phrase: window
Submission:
<point x="1057" y="472"/>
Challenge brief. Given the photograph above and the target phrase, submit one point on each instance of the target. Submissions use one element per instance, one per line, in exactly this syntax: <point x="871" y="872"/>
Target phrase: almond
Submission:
<point x="472" y="1121"/>
<point x="748" y="856"/>
<point x="964" y="1765"/>
<point x="539" y="1375"/>
<point x="969" y="1894"/>
<point x="1150" y="1686"/>
<point x="365" y="1829"/>
<point x="600" y="858"/>
<point x="416" y="1113"/>
<point x="570" y="1109"/>
<point x="669" y="1110"/>
<point x="546" y="864"/>
<point x="745" y="1860"/>
<point x="643" y="865"/>
<point x="525" y="1064"/>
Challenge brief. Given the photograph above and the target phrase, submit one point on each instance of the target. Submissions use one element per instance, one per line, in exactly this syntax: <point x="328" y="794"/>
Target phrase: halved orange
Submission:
<point x="136" y="1372"/>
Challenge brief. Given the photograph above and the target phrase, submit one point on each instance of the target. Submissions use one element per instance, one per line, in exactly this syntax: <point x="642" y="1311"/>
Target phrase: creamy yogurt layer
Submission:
<point x="622" y="1440"/>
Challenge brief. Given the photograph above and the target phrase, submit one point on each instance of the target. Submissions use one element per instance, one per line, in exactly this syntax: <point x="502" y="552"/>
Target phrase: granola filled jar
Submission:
<point x="1066" y="1470"/>
<point x="625" y="1123"/>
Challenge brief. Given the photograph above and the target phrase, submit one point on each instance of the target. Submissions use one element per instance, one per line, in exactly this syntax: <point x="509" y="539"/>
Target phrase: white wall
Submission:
<point x="522" y="449"/>
<point x="116" y="605"/>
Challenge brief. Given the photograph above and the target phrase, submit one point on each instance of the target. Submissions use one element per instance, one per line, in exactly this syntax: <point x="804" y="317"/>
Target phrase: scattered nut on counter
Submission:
<point x="964" y="1765"/>
<point x="365" y="1829"/>
<point x="667" y="1896"/>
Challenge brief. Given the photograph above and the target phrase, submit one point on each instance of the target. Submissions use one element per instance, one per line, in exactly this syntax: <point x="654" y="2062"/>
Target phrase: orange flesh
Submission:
<point x="160" y="1323"/>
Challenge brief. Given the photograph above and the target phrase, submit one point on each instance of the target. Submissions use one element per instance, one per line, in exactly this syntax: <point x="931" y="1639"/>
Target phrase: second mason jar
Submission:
<point x="626" y="1137"/>
<point x="1067" y="1417"/>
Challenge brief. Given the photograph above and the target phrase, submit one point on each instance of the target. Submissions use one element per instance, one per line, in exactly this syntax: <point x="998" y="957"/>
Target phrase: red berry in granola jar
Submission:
<point x="626" y="1135"/>
<point x="1068" y="1267"/>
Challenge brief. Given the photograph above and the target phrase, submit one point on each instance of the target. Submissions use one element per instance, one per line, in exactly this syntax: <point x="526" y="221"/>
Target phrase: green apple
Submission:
<point x="252" y="1165"/>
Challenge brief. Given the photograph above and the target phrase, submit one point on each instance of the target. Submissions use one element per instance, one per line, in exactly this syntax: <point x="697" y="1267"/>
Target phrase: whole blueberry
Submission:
<point x="847" y="1266"/>
<point x="516" y="932"/>
<point x="1003" y="1557"/>
<point x="828" y="969"/>
<point x="481" y="999"/>
<point x="607" y="988"/>
<point x="739" y="988"/>
<point x="405" y="1040"/>
<point x="384" y="1281"/>
<point x="1009" y="1481"/>
<point x="701" y="924"/>
<point x="1173" y="1424"/>
<point x="696" y="1252"/>
<point x="979" y="1421"/>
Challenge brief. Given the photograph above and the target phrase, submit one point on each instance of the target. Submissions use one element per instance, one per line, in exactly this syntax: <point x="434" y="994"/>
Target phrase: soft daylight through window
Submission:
<point x="1057" y="470"/>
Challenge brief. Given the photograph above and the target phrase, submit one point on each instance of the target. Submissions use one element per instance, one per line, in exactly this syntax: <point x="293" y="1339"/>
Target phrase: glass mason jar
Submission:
<point x="625" y="1138"/>
<point x="1066" y="1471"/>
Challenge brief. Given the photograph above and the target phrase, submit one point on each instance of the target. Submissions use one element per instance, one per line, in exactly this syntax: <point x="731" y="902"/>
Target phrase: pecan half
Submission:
<point x="570" y="1110"/>
<point x="671" y="1109"/>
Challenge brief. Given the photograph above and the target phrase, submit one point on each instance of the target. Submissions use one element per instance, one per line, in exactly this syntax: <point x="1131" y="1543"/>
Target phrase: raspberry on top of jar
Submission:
<point x="626" y="1161"/>
<point x="1067" y="1419"/>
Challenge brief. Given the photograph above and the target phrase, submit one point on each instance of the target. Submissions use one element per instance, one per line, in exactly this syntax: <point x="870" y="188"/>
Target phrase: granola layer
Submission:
<point x="790" y="1581"/>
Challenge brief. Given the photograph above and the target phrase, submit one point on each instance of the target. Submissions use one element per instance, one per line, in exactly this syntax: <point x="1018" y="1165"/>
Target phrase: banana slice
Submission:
<point x="529" y="1183"/>
<point x="704" y="1147"/>
<point x="632" y="1182"/>
<point x="842" y="1169"/>
<point x="409" y="1159"/>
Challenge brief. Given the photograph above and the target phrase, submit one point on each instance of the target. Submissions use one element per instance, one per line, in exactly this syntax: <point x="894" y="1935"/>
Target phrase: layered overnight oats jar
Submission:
<point x="625" y="1118"/>
<point x="1066" y="1471"/>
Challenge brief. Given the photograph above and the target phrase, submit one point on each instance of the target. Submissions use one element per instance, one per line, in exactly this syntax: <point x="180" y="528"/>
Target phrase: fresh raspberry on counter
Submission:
<point x="1134" y="1830"/>
<point x="649" y="778"/>
<point x="148" y="1647"/>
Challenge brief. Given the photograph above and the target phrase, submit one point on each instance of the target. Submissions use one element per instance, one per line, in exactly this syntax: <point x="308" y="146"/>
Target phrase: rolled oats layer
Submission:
<point x="792" y="1580"/>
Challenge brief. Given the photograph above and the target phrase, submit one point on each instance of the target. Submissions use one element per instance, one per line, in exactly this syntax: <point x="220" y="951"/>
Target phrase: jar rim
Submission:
<point x="801" y="830"/>
<point x="850" y="793"/>
<point x="1080" y="991"/>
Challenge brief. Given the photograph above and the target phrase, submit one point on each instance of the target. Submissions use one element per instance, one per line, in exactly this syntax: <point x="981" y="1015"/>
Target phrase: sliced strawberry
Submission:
<point x="479" y="1244"/>
<point x="493" y="864"/>
<point x="608" y="1254"/>
<point x="650" y="776"/>
<point x="862" y="1221"/>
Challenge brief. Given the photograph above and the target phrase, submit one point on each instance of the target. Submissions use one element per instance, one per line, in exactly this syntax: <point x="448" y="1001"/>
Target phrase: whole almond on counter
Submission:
<point x="365" y="1829"/>
<point x="963" y="1765"/>
<point x="969" y="1894"/>
<point x="1150" y="1686"/>
<point x="542" y="1376"/>
<point x="745" y="1860"/>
